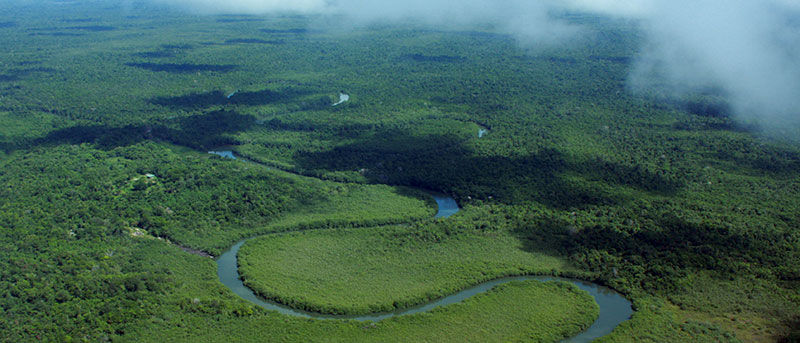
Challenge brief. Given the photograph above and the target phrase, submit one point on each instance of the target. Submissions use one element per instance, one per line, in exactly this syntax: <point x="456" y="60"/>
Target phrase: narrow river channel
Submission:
<point x="614" y="308"/>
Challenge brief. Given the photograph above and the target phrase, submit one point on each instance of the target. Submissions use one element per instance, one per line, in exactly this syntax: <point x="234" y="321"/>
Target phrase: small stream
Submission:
<point x="342" y="99"/>
<point x="224" y="153"/>
<point x="614" y="308"/>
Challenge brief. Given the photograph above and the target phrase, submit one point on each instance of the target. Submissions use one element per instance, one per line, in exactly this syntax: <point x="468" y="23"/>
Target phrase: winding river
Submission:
<point x="614" y="308"/>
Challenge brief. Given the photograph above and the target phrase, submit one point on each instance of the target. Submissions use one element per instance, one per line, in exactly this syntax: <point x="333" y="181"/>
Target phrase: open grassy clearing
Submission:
<point x="357" y="271"/>
<point x="518" y="311"/>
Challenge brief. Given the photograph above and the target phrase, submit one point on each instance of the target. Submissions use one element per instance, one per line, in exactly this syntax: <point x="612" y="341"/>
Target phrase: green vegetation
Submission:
<point x="70" y="237"/>
<point x="199" y="200"/>
<point x="358" y="205"/>
<point x="380" y="269"/>
<point x="518" y="311"/>
<point x="657" y="321"/>
<point x="691" y="214"/>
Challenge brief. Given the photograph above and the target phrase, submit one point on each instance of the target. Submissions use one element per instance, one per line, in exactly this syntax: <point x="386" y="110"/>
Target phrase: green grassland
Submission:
<point x="690" y="213"/>
<point x="521" y="311"/>
<point x="358" y="205"/>
<point x="369" y="270"/>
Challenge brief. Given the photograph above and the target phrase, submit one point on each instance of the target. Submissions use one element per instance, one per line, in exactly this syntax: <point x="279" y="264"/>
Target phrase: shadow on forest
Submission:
<point x="198" y="132"/>
<point x="177" y="46"/>
<point x="285" y="31"/>
<point x="8" y="77"/>
<point x="551" y="59"/>
<point x="253" y="41"/>
<point x="218" y="98"/>
<point x="765" y="159"/>
<point x="165" y="50"/>
<point x="666" y="249"/>
<point x="56" y="34"/>
<point x="17" y="74"/>
<point x="708" y="108"/>
<point x="715" y="114"/>
<point x="184" y="68"/>
<point x="443" y="163"/>
<point x="155" y="54"/>
<point x="710" y="112"/>
<point x="793" y="336"/>
<point x="92" y="28"/>
<point x="612" y="59"/>
<point x="712" y="124"/>
<point x="28" y="63"/>
<point x="65" y="31"/>
<point x="79" y="20"/>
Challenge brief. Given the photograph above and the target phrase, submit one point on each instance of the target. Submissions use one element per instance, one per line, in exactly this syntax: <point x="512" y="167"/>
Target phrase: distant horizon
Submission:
<point x="747" y="49"/>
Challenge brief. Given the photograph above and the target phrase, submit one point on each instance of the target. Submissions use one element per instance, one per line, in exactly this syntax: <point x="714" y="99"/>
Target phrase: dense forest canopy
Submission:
<point x="110" y="204"/>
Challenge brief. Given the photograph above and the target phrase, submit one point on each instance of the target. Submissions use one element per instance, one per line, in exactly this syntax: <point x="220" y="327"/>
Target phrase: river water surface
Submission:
<point x="614" y="308"/>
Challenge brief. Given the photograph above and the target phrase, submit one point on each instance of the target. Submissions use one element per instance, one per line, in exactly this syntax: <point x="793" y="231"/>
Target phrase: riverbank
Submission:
<point x="449" y="260"/>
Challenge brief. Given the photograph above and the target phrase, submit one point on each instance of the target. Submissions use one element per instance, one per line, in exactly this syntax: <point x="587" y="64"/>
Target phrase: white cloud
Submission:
<point x="748" y="48"/>
<point x="618" y="8"/>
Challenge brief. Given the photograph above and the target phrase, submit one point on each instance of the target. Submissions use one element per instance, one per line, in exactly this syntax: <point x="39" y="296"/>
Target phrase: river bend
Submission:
<point x="614" y="308"/>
